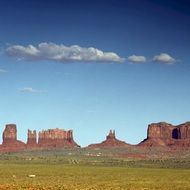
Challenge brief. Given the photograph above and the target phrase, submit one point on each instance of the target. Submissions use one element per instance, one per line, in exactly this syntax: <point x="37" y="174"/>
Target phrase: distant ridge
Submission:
<point x="160" y="134"/>
<point x="47" y="139"/>
<point x="165" y="134"/>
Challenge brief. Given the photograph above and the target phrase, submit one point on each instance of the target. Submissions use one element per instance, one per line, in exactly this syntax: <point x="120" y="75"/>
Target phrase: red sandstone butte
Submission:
<point x="31" y="139"/>
<point x="51" y="138"/>
<point x="10" y="142"/>
<point x="158" y="134"/>
<point x="164" y="134"/>
<point x="57" y="138"/>
<point x="111" y="141"/>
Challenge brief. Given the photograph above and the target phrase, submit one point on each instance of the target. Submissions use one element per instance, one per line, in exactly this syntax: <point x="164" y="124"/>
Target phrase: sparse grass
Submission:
<point x="75" y="171"/>
<point x="58" y="176"/>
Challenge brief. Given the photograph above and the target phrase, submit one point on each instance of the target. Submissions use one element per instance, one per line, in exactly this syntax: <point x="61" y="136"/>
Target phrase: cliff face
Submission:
<point x="32" y="138"/>
<point x="51" y="138"/>
<point x="10" y="133"/>
<point x="56" y="138"/>
<point x="111" y="141"/>
<point x="158" y="134"/>
<point x="164" y="134"/>
<point x="10" y="141"/>
<point x="159" y="130"/>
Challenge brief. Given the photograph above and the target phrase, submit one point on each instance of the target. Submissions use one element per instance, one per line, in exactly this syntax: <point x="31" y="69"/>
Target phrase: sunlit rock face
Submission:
<point x="31" y="138"/>
<point x="10" y="133"/>
<point x="10" y="141"/>
<point x="47" y="139"/>
<point x="56" y="138"/>
<point x="164" y="134"/>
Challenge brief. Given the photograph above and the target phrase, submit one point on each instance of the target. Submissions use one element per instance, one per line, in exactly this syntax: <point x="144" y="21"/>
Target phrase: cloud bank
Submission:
<point x="136" y="59"/>
<point x="75" y="53"/>
<point x="61" y="53"/>
<point x="30" y="90"/>
<point x="164" y="58"/>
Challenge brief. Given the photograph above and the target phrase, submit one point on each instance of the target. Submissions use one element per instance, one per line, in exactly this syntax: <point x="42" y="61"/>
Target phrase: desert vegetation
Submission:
<point x="84" y="170"/>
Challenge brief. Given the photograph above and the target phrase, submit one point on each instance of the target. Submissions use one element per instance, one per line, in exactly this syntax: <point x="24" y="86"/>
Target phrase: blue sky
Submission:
<point x="92" y="66"/>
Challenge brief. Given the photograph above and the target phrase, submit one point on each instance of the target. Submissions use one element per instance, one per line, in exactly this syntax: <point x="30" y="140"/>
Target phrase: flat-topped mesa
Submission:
<point x="32" y="138"/>
<point x="164" y="134"/>
<point x="111" y="141"/>
<point x="56" y="138"/>
<point x="10" y="141"/>
<point x="159" y="130"/>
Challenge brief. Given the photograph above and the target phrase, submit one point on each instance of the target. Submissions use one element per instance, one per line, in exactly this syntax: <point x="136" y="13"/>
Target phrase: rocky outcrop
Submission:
<point x="51" y="138"/>
<point x="10" y="133"/>
<point x="10" y="141"/>
<point x="158" y="134"/>
<point x="32" y="139"/>
<point x="164" y="134"/>
<point x="111" y="141"/>
<point x="56" y="138"/>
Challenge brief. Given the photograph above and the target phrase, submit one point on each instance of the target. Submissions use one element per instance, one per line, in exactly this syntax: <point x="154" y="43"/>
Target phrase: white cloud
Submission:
<point x="136" y="59"/>
<point x="61" y="53"/>
<point x="3" y="71"/>
<point x="30" y="90"/>
<point x="164" y="58"/>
